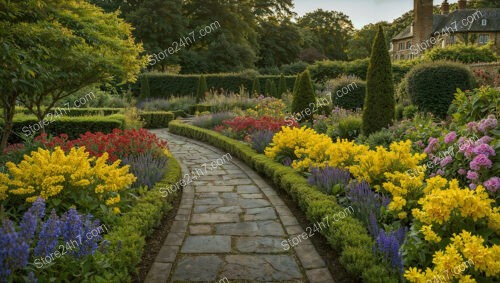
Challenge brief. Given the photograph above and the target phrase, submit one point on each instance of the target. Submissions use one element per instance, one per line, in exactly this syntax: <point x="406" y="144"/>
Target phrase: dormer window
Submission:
<point x="484" y="22"/>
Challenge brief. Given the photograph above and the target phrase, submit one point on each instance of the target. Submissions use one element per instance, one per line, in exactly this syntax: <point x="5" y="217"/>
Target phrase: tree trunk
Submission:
<point x="8" y="116"/>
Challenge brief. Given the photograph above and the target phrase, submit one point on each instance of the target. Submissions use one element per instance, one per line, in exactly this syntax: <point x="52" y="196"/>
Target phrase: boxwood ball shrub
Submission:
<point x="348" y="93"/>
<point x="432" y="86"/>
<point x="379" y="106"/>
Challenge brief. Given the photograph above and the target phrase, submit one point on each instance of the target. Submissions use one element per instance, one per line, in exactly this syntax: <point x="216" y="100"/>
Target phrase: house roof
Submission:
<point x="457" y="21"/>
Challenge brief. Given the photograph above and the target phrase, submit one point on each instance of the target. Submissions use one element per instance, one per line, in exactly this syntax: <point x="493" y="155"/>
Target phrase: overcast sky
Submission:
<point x="361" y="12"/>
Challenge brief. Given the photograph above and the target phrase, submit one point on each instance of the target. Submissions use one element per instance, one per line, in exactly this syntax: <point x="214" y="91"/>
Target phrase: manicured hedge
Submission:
<point x="74" y="112"/>
<point x="348" y="235"/>
<point x="167" y="85"/>
<point x="432" y="86"/>
<point x="127" y="239"/>
<point x="72" y="126"/>
<point x="322" y="71"/>
<point x="156" y="119"/>
<point x="349" y="93"/>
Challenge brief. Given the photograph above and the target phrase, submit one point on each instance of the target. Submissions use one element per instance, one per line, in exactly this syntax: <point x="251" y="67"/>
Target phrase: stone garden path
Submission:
<point x="230" y="225"/>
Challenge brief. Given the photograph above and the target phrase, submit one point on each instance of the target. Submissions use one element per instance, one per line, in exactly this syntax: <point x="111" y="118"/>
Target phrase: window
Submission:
<point x="484" y="22"/>
<point x="408" y="44"/>
<point x="484" y="38"/>
<point x="401" y="46"/>
<point x="452" y="39"/>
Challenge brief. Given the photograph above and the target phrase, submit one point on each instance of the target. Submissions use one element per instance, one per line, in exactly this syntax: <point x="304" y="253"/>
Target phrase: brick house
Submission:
<point x="479" y="26"/>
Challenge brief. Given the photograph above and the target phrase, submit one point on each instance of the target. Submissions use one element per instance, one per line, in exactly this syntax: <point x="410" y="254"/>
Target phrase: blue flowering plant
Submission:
<point x="48" y="247"/>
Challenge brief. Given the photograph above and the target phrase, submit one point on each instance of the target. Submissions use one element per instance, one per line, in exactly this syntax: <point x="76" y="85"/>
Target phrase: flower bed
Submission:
<point x="418" y="227"/>
<point x="71" y="214"/>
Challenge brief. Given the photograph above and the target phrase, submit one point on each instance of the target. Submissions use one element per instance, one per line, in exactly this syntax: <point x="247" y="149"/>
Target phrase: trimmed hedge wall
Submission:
<point x="127" y="239"/>
<point x="167" y="85"/>
<point x="348" y="235"/>
<point x="75" y="112"/>
<point x="322" y="71"/>
<point x="72" y="126"/>
<point x="156" y="119"/>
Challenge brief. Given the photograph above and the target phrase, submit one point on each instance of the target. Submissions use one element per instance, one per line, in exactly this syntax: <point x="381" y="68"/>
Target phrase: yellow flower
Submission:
<point x="49" y="174"/>
<point x="429" y="235"/>
<point x="402" y="215"/>
<point x="116" y="210"/>
<point x="113" y="200"/>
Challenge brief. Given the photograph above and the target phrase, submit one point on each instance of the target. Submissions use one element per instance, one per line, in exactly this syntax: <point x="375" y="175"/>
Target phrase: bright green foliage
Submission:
<point x="256" y="86"/>
<point x="379" y="106"/>
<point x="282" y="87"/>
<point x="304" y="98"/>
<point x="475" y="105"/>
<point x="462" y="53"/>
<point x="432" y="86"/>
<point x="51" y="49"/>
<point x="202" y="89"/>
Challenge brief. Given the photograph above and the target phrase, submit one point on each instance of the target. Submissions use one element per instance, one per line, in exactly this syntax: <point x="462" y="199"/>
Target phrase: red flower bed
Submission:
<point x="118" y="144"/>
<point x="244" y="126"/>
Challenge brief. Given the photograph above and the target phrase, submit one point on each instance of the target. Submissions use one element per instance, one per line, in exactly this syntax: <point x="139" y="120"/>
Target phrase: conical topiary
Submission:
<point x="379" y="106"/>
<point x="267" y="88"/>
<point x="296" y="83"/>
<point x="282" y="87"/>
<point x="304" y="97"/>
<point x="274" y="90"/>
<point x="202" y="89"/>
<point x="256" y="87"/>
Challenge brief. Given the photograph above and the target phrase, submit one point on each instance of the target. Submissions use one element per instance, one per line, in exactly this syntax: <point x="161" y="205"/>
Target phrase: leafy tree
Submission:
<point x="379" y="106"/>
<point x="158" y="24"/>
<point x="484" y="3"/>
<point x="330" y="31"/>
<point x="282" y="86"/>
<point x="279" y="9"/>
<point x="303" y="96"/>
<point x="360" y="45"/>
<point x="61" y="46"/>
<point x="256" y="86"/>
<point x="279" y="43"/>
<point x="202" y="89"/>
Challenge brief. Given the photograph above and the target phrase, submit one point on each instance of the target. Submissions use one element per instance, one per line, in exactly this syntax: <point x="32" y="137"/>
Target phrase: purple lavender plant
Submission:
<point x="365" y="201"/>
<point x="29" y="223"/>
<point x="328" y="177"/>
<point x="147" y="168"/>
<point x="48" y="236"/>
<point x="14" y="252"/>
<point x="389" y="244"/>
<point x="261" y="139"/>
<point x="91" y="236"/>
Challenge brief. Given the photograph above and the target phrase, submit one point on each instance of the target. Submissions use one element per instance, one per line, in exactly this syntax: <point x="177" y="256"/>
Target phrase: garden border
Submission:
<point x="127" y="239"/>
<point x="348" y="235"/>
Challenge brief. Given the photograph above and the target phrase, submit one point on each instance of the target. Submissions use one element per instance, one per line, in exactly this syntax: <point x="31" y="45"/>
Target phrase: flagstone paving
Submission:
<point x="230" y="226"/>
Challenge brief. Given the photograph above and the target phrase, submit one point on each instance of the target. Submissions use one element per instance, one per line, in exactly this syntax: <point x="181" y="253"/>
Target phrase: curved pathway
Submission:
<point x="230" y="225"/>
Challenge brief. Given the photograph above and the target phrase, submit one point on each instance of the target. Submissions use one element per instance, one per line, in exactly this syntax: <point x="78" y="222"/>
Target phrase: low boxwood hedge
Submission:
<point x="25" y="126"/>
<point x="127" y="239"/>
<point x="75" y="112"/>
<point x="156" y="119"/>
<point x="348" y="235"/>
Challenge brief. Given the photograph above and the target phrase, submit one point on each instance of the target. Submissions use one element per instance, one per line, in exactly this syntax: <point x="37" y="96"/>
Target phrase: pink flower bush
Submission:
<point x="450" y="137"/>
<point x="480" y="161"/>
<point x="493" y="184"/>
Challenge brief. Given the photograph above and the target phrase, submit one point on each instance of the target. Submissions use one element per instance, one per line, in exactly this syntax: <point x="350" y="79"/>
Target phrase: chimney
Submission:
<point x="423" y="22"/>
<point x="462" y="4"/>
<point x="445" y="8"/>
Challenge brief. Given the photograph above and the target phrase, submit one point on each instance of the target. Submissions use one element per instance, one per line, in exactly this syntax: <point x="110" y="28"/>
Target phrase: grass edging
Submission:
<point x="348" y="235"/>
<point x="127" y="240"/>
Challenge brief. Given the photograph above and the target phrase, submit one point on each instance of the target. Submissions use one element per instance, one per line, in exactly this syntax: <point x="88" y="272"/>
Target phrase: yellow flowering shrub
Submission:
<point x="445" y="209"/>
<point x="373" y="164"/>
<point x="465" y="251"/>
<point x="405" y="189"/>
<point x="71" y="178"/>
<point x="303" y="145"/>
